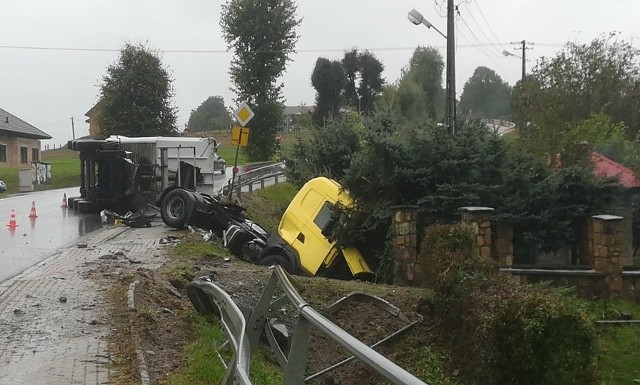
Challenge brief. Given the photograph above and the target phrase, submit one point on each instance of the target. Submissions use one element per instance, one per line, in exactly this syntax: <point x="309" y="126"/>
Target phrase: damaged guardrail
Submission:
<point x="244" y="329"/>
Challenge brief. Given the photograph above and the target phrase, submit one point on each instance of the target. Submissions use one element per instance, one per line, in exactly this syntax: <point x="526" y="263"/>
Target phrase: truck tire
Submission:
<point x="86" y="207"/>
<point x="280" y="260"/>
<point x="176" y="208"/>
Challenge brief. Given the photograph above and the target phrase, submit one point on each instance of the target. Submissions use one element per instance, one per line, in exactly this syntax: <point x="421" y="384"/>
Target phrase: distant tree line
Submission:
<point x="354" y="83"/>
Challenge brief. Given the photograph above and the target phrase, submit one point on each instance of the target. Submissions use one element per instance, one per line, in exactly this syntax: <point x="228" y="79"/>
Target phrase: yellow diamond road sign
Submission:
<point x="243" y="114"/>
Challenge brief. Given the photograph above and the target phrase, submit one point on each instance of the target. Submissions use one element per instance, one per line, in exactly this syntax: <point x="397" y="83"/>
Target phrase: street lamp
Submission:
<point x="416" y="18"/>
<point x="507" y="53"/>
<point x="524" y="68"/>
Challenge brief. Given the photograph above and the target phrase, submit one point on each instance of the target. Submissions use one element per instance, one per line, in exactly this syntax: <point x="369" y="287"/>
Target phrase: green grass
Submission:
<point x="10" y="176"/>
<point x="193" y="248"/>
<point x="65" y="172"/>
<point x="266" y="206"/>
<point x="204" y="366"/>
<point x="203" y="363"/>
<point x="620" y="349"/>
<point x="228" y="153"/>
<point x="619" y="345"/>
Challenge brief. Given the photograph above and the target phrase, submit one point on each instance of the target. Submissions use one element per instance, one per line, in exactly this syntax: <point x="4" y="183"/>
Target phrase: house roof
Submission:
<point x="608" y="168"/>
<point x="15" y="126"/>
<point x="93" y="109"/>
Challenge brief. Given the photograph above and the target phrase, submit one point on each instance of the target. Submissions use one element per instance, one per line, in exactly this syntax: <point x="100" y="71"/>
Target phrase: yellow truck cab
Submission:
<point x="307" y="224"/>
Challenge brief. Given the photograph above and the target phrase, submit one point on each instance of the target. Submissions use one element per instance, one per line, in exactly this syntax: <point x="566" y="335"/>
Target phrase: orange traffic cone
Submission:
<point x="64" y="201"/>
<point x="32" y="213"/>
<point x="12" y="220"/>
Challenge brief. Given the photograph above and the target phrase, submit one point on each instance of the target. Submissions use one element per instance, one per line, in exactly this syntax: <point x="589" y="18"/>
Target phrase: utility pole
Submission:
<point x="73" y="129"/>
<point x="524" y="48"/>
<point x="451" y="70"/>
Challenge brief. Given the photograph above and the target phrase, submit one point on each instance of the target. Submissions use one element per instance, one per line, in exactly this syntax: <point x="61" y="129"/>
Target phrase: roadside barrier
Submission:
<point x="245" y="329"/>
<point x="12" y="220"/>
<point x="254" y="178"/>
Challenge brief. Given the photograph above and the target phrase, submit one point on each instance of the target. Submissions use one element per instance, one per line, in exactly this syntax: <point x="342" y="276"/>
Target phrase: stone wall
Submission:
<point x="602" y="276"/>
<point x="479" y="220"/>
<point x="605" y="247"/>
<point x="631" y="285"/>
<point x="406" y="268"/>
<point x="587" y="283"/>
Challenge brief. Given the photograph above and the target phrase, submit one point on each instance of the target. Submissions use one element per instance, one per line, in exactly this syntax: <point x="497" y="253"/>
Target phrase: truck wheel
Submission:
<point x="276" y="259"/>
<point x="176" y="208"/>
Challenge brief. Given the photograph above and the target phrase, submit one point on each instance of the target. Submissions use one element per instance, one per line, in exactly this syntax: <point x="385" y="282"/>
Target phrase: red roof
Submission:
<point x="607" y="168"/>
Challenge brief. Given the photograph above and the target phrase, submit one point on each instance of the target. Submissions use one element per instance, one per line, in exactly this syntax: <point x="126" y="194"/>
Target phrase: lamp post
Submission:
<point x="524" y="48"/>
<point x="416" y="18"/>
<point x="524" y="68"/>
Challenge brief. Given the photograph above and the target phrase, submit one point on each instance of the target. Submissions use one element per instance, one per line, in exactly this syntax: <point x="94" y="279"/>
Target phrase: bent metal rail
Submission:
<point x="244" y="335"/>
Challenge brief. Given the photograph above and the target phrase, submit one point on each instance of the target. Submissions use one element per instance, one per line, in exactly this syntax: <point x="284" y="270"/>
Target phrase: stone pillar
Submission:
<point x="478" y="218"/>
<point x="606" y="244"/>
<point x="406" y="269"/>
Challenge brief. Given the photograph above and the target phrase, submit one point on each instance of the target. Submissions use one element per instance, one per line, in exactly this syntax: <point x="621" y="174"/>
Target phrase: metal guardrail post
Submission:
<point x="244" y="336"/>
<point x="259" y="314"/>
<point x="297" y="362"/>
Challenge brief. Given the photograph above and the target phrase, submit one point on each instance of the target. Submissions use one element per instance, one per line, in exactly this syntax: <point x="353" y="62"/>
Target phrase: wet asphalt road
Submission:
<point x="34" y="239"/>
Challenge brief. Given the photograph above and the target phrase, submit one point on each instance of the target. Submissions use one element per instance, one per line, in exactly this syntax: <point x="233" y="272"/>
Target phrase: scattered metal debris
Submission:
<point x="168" y="240"/>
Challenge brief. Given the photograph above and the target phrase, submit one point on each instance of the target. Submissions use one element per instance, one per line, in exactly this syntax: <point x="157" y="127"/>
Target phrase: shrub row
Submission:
<point x="499" y="331"/>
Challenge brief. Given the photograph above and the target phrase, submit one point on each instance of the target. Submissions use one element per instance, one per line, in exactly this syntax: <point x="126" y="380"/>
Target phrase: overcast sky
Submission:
<point x="46" y="87"/>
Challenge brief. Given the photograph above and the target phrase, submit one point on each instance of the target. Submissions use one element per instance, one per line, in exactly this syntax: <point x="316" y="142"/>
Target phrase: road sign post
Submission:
<point x="240" y="136"/>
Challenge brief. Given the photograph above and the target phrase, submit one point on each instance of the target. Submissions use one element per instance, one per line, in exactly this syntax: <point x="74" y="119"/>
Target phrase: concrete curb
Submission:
<point x="142" y="363"/>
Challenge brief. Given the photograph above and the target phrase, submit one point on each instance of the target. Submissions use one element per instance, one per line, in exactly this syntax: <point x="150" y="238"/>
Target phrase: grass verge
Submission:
<point x="228" y="151"/>
<point x="203" y="363"/>
<point x="619" y="345"/>
<point x="65" y="171"/>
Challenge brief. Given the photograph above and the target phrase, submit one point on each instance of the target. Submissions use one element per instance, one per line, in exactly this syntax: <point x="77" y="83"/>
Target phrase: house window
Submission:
<point x="35" y="154"/>
<point x="24" y="158"/>
<point x="3" y="153"/>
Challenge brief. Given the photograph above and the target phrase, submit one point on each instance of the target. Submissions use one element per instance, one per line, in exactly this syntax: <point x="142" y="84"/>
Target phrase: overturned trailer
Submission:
<point x="123" y="174"/>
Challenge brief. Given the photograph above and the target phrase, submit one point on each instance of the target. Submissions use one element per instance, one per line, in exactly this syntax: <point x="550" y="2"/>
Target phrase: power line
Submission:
<point x="479" y="27"/>
<point x="204" y="51"/>
<point x="486" y="22"/>
<point x="439" y="8"/>
<point x="481" y="47"/>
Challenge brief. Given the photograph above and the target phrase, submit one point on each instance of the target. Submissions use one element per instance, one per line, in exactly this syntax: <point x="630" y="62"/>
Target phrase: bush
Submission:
<point x="499" y="331"/>
<point x="383" y="166"/>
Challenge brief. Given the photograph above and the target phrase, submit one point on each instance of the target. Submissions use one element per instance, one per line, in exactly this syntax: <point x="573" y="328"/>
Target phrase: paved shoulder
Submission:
<point x="52" y="321"/>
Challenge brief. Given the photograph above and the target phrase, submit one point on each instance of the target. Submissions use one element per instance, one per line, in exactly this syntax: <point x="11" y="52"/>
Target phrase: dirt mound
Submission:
<point x="162" y="325"/>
